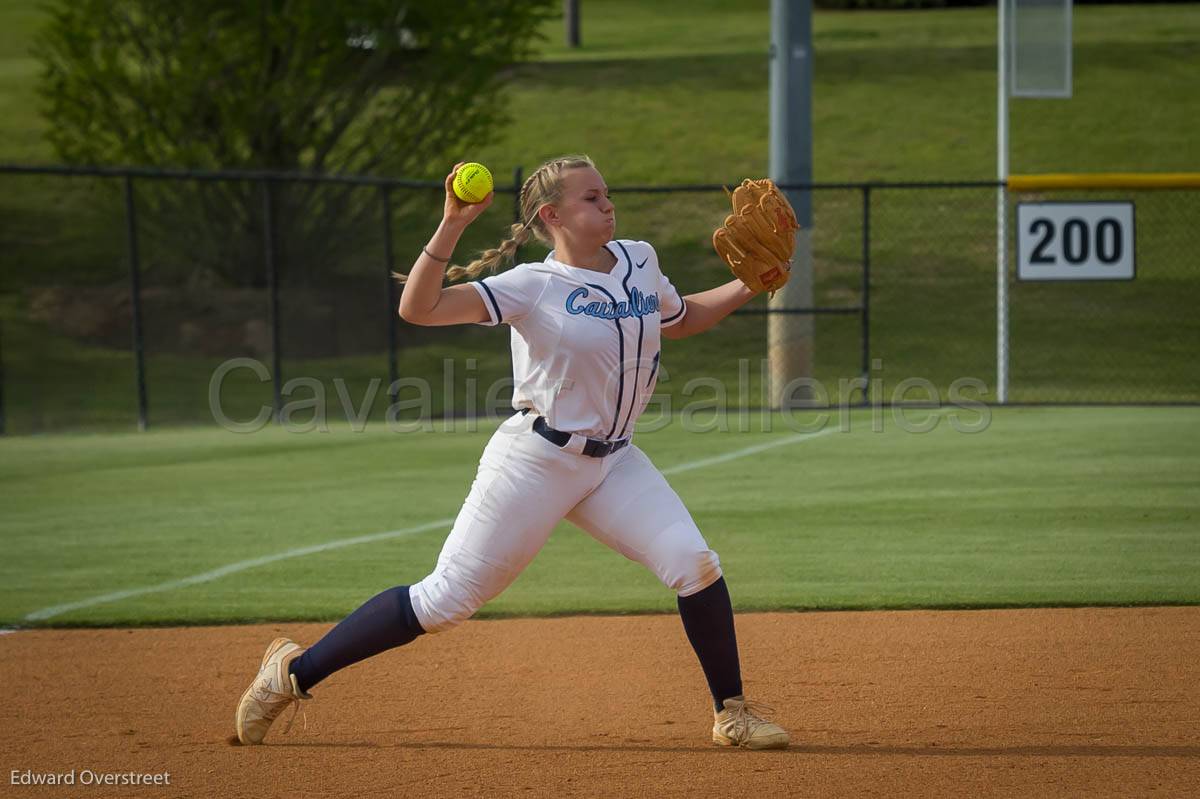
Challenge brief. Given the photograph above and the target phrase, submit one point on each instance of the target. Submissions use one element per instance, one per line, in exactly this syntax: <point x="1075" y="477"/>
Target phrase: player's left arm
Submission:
<point x="707" y="308"/>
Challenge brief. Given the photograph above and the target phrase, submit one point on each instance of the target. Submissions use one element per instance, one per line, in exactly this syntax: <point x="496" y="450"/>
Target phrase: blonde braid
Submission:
<point x="488" y="260"/>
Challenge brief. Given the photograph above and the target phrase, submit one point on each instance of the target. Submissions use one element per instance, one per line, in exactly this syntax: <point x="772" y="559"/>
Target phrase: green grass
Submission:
<point x="21" y="127"/>
<point x="676" y="91"/>
<point x="905" y="95"/>
<point x="1044" y="507"/>
<point x="896" y="95"/>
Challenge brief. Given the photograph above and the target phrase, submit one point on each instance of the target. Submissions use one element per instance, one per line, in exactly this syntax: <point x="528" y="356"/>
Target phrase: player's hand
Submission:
<point x="460" y="212"/>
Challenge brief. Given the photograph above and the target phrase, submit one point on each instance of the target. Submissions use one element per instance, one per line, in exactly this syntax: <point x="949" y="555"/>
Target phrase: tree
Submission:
<point x="330" y="86"/>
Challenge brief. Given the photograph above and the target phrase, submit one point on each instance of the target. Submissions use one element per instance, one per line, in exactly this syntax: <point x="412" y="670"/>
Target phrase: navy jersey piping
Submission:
<point x="492" y="297"/>
<point x="653" y="369"/>
<point x="620" y="360"/>
<point x="637" y="364"/>
<point x="679" y="313"/>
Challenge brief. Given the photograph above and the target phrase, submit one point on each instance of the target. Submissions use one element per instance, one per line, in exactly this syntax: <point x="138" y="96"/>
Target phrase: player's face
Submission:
<point x="585" y="210"/>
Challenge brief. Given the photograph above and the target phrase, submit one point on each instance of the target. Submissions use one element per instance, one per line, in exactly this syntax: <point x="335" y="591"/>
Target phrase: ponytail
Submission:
<point x="488" y="260"/>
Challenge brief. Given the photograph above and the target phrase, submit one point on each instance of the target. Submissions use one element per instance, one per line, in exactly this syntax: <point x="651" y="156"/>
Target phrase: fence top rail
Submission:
<point x="859" y="186"/>
<point x="159" y="173"/>
<point x="1105" y="180"/>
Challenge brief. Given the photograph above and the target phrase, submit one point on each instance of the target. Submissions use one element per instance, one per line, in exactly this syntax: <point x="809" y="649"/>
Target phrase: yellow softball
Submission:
<point x="472" y="182"/>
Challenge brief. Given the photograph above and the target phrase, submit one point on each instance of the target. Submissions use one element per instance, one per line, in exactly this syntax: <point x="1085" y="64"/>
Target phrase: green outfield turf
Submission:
<point x="1044" y="507"/>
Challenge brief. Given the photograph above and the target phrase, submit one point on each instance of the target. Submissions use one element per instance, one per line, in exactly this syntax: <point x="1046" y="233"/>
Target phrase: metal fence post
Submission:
<point x="385" y="199"/>
<point x="135" y="305"/>
<point x="2" y="427"/>
<point x="866" y="291"/>
<point x="518" y="179"/>
<point x="272" y="294"/>
<point x="571" y="17"/>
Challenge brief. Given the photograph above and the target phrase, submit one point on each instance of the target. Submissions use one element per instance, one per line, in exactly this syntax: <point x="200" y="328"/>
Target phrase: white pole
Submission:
<point x="790" y="335"/>
<point x="1002" y="205"/>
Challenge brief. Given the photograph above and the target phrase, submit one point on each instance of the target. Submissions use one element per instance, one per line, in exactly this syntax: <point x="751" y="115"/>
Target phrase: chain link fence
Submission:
<point x="128" y="297"/>
<point x="1115" y="341"/>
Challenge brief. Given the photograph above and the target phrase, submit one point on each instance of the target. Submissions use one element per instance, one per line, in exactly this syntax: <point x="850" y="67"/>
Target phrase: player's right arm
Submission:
<point x="424" y="301"/>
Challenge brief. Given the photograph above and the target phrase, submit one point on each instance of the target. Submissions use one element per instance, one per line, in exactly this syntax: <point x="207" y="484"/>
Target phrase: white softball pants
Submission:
<point x="524" y="486"/>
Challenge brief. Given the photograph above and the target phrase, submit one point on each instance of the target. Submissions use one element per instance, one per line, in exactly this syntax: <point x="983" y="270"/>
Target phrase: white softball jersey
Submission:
<point x="585" y="344"/>
<point x="585" y="349"/>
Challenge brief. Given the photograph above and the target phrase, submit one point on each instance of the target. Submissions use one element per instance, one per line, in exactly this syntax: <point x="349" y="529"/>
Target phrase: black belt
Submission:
<point x="594" y="448"/>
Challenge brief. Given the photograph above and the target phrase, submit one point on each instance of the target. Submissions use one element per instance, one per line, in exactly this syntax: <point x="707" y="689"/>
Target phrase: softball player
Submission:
<point x="586" y="325"/>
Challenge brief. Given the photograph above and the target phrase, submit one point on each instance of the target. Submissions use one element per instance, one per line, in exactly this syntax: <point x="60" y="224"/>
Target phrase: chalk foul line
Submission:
<point x="233" y="568"/>
<point x="243" y="565"/>
<point x="745" y="451"/>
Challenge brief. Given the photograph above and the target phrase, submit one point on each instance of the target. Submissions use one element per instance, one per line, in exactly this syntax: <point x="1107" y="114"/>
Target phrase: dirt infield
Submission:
<point x="1090" y="702"/>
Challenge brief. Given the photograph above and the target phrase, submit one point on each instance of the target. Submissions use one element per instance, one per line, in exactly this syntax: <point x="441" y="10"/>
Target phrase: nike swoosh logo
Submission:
<point x="643" y="263"/>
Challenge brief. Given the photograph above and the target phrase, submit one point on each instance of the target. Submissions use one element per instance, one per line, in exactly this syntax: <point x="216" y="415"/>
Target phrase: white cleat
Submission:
<point x="271" y="691"/>
<point x="740" y="724"/>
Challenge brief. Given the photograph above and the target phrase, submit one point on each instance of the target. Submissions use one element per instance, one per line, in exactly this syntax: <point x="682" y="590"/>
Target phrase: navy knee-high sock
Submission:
<point x="383" y="622"/>
<point x="708" y="621"/>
